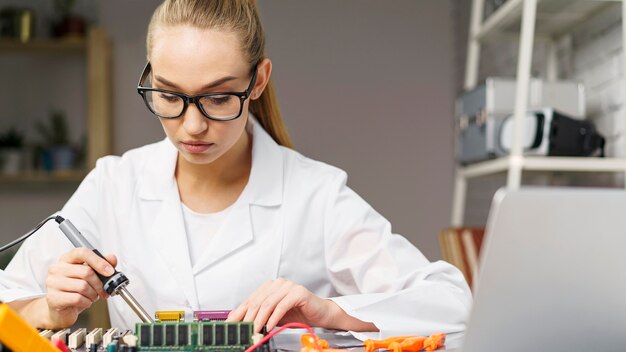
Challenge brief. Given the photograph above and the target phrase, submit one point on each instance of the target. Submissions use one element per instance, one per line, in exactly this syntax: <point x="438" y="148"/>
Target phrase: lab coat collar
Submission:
<point x="265" y="185"/>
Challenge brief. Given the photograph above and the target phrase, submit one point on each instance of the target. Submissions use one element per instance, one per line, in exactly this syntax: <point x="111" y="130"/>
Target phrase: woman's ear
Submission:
<point x="264" y="71"/>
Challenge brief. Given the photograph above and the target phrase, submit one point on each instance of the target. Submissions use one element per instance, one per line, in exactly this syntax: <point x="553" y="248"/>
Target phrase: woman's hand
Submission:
<point x="281" y="301"/>
<point x="73" y="285"/>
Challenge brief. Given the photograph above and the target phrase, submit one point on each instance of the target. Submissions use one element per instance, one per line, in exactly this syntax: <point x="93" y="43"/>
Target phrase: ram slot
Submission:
<point x="60" y="335"/>
<point x="77" y="338"/>
<point x="93" y="337"/>
<point x="107" y="338"/>
<point x="46" y="334"/>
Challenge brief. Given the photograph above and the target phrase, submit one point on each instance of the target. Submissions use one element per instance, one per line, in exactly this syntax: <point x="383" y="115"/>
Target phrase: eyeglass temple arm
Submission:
<point x="144" y="74"/>
<point x="253" y="82"/>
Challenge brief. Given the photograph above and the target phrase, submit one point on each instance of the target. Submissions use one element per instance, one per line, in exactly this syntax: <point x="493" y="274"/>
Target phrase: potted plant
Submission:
<point x="69" y="24"/>
<point x="57" y="152"/>
<point x="11" y="150"/>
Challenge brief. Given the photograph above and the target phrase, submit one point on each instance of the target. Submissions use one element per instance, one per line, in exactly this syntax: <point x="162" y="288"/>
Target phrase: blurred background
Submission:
<point x="368" y="86"/>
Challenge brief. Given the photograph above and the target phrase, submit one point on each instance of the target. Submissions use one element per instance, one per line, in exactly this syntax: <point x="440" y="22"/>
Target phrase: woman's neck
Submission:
<point x="212" y="187"/>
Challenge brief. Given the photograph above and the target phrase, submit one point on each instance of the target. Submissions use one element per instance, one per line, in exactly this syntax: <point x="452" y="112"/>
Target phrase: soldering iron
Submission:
<point x="113" y="285"/>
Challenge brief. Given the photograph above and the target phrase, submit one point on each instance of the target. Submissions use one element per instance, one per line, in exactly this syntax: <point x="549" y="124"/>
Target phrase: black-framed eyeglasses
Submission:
<point x="218" y="106"/>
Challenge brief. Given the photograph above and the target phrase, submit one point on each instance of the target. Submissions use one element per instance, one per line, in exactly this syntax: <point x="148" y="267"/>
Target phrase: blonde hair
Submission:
<point x="241" y="17"/>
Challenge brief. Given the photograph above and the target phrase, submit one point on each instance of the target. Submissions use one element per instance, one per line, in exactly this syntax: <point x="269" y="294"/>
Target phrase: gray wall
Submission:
<point x="364" y="85"/>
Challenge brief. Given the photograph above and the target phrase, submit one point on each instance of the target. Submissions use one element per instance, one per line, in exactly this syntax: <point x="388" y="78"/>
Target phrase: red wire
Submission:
<point x="286" y="326"/>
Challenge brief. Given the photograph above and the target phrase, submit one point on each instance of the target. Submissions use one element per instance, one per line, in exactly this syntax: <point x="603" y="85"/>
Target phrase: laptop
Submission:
<point x="552" y="275"/>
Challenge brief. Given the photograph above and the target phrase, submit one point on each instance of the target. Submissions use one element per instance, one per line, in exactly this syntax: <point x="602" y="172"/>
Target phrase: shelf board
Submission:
<point x="554" y="17"/>
<point x="545" y="163"/>
<point x="43" y="45"/>
<point x="70" y="176"/>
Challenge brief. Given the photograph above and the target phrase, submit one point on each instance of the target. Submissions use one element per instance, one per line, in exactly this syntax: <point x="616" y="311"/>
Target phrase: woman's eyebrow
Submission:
<point x="206" y="86"/>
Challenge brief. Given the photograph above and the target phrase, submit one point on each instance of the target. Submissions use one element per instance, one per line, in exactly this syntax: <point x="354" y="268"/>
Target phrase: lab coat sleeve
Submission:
<point x="382" y="278"/>
<point x="24" y="278"/>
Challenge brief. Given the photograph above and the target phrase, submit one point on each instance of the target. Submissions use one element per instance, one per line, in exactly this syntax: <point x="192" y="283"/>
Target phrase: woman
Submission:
<point x="222" y="214"/>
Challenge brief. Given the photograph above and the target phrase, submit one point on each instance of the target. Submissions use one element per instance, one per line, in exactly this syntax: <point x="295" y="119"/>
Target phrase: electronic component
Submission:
<point x="60" y="335"/>
<point x="549" y="132"/>
<point x="113" y="346"/>
<point x="130" y="340"/>
<point x="210" y="315"/>
<point x="169" y="316"/>
<point x="46" y="334"/>
<point x="178" y="335"/>
<point x="77" y="338"/>
<point x="480" y="113"/>
<point x="107" y="338"/>
<point x="197" y="336"/>
<point x="93" y="337"/>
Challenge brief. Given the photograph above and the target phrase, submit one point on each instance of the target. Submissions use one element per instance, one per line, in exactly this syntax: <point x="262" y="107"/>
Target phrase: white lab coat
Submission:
<point x="295" y="219"/>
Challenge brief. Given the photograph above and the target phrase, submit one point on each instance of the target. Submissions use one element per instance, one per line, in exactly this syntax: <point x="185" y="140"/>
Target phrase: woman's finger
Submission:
<point x="71" y="285"/>
<point x="83" y="272"/>
<point x="268" y="305"/>
<point x="236" y="314"/>
<point x="61" y="300"/>
<point x="295" y="297"/>
<point x="84" y="255"/>
<point x="247" y="310"/>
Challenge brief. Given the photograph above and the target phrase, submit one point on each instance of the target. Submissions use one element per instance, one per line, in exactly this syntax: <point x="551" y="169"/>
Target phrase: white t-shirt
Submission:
<point x="200" y="229"/>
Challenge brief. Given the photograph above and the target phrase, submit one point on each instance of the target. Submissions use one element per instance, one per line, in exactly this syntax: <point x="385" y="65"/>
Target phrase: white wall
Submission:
<point x="363" y="85"/>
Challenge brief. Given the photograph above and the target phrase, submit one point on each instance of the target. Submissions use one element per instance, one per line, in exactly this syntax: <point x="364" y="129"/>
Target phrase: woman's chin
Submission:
<point x="198" y="158"/>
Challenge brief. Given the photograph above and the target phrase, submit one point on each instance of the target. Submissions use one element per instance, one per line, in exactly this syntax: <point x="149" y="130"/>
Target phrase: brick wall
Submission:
<point x="592" y="54"/>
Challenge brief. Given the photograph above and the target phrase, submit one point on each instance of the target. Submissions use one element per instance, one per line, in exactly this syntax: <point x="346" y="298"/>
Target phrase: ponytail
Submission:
<point x="267" y="113"/>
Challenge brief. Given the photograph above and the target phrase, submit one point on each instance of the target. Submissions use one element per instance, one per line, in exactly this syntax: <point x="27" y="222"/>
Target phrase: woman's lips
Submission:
<point x="196" y="147"/>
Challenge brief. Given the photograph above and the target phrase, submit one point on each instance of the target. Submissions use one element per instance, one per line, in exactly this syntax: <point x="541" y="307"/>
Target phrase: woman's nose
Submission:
<point x="194" y="121"/>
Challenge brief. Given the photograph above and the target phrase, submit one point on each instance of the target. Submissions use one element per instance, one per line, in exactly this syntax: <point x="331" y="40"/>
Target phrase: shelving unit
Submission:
<point x="43" y="45"/>
<point x="72" y="176"/>
<point x="550" y="20"/>
<point x="96" y="50"/>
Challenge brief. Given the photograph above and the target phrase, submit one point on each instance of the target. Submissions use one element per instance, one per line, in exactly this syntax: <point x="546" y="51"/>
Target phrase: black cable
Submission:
<point x="57" y="218"/>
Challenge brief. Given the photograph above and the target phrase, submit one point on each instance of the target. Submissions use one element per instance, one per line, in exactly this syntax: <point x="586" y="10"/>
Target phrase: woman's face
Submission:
<point x="195" y="61"/>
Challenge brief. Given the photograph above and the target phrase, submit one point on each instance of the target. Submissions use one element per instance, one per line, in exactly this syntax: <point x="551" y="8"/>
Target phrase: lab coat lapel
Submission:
<point x="235" y="233"/>
<point x="264" y="190"/>
<point x="168" y="230"/>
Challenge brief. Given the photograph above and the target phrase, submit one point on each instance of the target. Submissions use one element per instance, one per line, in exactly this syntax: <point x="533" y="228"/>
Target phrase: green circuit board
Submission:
<point x="194" y="336"/>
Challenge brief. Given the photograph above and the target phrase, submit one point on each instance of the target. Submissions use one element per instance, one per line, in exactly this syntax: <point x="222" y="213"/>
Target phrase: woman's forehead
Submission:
<point x="183" y="48"/>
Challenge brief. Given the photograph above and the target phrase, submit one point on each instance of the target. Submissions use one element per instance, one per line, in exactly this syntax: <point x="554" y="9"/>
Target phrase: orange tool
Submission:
<point x="373" y="345"/>
<point x="308" y="340"/>
<point x="395" y="343"/>
<point x="412" y="344"/>
<point x="370" y="345"/>
<point x="308" y="344"/>
<point x="435" y="341"/>
<point x="17" y="335"/>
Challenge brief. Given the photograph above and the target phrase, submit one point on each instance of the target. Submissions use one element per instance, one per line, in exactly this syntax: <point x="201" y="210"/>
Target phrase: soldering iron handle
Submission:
<point x="72" y="234"/>
<point x="103" y="278"/>
<point x="78" y="240"/>
<point x="112" y="285"/>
